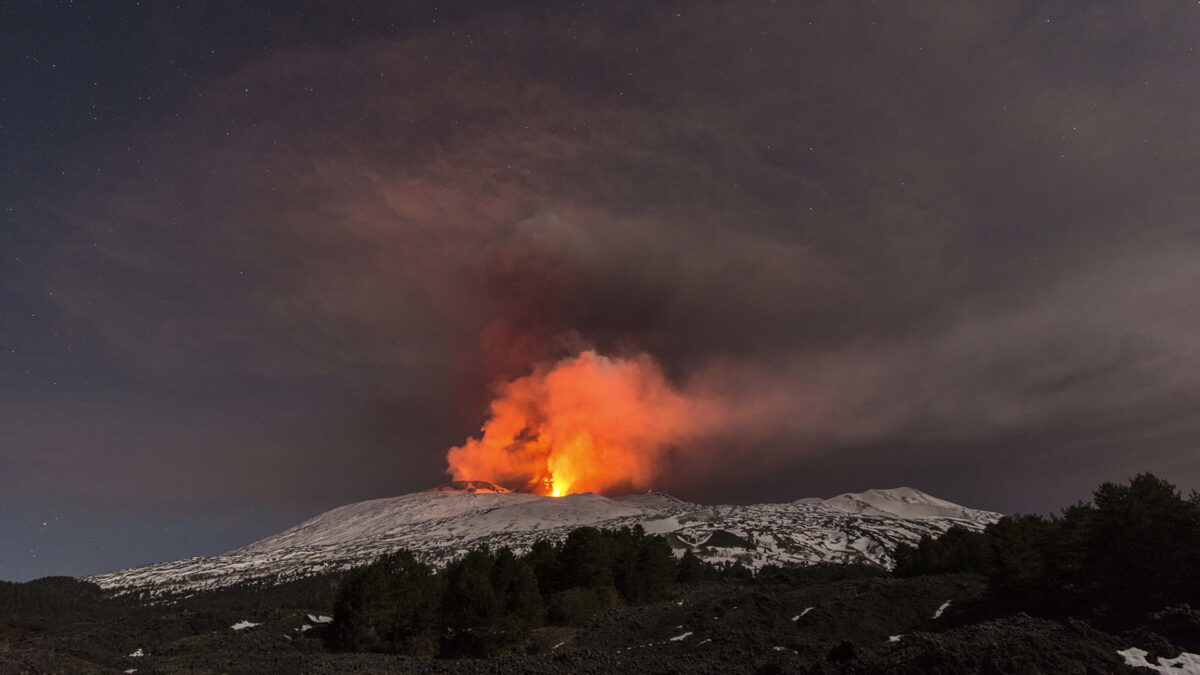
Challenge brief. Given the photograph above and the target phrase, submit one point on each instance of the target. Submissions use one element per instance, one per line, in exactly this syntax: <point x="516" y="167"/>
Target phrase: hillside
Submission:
<point x="441" y="524"/>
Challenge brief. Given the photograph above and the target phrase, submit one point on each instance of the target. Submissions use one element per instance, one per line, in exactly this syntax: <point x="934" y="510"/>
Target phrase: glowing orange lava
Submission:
<point x="590" y="423"/>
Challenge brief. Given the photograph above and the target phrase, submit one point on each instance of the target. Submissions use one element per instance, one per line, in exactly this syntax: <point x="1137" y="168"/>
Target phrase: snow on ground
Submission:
<point x="137" y="653"/>
<point x="679" y="638"/>
<point x="938" y="613"/>
<point x="441" y="525"/>
<point x="661" y="526"/>
<point x="1184" y="664"/>
<point x="242" y="625"/>
<point x="320" y="618"/>
<point x="806" y="611"/>
<point x="894" y="638"/>
<point x="904" y="502"/>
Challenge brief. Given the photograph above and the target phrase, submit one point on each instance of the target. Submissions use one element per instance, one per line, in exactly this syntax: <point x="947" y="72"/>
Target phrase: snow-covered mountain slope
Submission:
<point x="442" y="524"/>
<point x="903" y="502"/>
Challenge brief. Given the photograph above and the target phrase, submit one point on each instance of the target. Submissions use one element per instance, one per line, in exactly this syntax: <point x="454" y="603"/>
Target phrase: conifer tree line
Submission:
<point x="488" y="600"/>
<point x="1134" y="548"/>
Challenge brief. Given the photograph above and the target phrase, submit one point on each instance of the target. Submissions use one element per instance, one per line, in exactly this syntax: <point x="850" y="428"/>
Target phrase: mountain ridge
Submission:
<point x="442" y="523"/>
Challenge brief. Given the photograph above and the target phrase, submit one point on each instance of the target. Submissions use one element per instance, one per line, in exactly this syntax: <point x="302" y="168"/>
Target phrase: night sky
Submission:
<point x="260" y="260"/>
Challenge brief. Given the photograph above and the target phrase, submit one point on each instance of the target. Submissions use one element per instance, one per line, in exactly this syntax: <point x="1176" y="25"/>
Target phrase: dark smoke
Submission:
<point x="948" y="246"/>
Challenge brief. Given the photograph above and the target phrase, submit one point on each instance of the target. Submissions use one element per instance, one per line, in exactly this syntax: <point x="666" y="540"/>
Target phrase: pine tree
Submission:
<point x="691" y="569"/>
<point x="389" y="605"/>
<point x="471" y="602"/>
<point x="656" y="566"/>
<point x="586" y="559"/>
<point x="543" y="558"/>
<point x="517" y="590"/>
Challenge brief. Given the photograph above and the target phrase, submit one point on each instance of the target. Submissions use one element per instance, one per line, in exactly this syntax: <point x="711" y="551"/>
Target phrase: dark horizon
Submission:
<point x="263" y="262"/>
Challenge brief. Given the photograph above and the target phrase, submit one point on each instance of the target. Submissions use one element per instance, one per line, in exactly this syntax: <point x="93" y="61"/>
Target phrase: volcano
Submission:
<point x="443" y="523"/>
<point x="469" y="487"/>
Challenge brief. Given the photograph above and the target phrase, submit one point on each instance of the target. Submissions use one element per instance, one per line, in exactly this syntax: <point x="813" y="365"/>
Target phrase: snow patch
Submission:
<point x="894" y="638"/>
<point x="1184" y="664"/>
<point x="137" y="653"/>
<point x="661" y="526"/>
<point x="243" y="625"/>
<point x="320" y="618"/>
<point x="938" y="613"/>
<point x="679" y="638"/>
<point x="806" y="611"/>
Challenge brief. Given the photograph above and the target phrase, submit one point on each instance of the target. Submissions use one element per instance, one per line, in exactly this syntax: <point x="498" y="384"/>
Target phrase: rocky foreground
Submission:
<point x="820" y="620"/>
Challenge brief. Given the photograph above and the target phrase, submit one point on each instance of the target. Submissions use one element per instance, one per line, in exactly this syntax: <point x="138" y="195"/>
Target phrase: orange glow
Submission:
<point x="590" y="423"/>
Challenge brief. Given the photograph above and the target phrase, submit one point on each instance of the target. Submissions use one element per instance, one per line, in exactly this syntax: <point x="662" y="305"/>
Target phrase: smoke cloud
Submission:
<point x="893" y="246"/>
<point x="589" y="423"/>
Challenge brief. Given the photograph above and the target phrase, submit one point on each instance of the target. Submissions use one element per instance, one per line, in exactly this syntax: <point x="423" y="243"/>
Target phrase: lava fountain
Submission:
<point x="589" y="423"/>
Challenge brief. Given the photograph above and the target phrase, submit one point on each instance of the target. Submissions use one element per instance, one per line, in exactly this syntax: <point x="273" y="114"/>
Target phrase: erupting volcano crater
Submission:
<point x="589" y="423"/>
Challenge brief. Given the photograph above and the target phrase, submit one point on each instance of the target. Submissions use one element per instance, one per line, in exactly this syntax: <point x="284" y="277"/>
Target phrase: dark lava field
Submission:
<point x="815" y="621"/>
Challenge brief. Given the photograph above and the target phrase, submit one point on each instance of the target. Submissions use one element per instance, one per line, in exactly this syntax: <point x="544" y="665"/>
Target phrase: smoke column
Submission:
<point x="589" y="423"/>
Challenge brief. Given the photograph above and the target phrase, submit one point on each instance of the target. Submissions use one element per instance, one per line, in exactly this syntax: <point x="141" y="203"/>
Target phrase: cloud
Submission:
<point x="901" y="226"/>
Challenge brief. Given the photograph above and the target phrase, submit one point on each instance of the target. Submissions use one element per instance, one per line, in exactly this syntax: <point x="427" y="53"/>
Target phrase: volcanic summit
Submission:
<point x="442" y="523"/>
